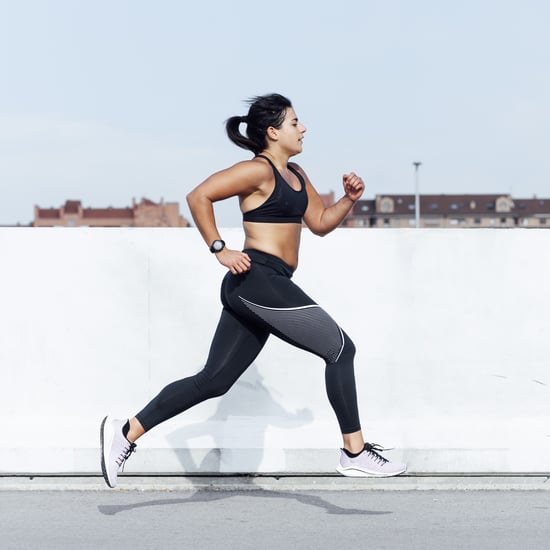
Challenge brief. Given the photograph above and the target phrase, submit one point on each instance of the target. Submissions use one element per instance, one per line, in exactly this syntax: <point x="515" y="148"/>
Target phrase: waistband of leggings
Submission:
<point x="270" y="260"/>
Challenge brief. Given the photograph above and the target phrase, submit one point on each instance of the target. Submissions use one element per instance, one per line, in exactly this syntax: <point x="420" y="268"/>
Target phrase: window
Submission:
<point x="502" y="206"/>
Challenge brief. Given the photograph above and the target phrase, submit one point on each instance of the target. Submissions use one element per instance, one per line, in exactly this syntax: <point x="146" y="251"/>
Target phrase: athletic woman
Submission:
<point x="258" y="295"/>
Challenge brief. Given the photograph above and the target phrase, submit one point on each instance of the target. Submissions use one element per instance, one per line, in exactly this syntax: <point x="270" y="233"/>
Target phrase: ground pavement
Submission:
<point x="265" y="513"/>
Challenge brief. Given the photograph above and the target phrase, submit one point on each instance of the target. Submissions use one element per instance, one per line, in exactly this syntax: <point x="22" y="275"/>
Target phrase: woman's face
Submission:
<point x="291" y="133"/>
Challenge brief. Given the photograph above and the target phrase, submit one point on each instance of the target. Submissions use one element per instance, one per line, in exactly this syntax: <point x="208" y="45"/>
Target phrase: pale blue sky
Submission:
<point x="106" y="100"/>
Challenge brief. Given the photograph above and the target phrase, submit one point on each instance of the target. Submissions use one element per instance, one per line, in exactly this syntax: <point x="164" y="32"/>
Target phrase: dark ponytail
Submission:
<point x="264" y="111"/>
<point x="233" y="133"/>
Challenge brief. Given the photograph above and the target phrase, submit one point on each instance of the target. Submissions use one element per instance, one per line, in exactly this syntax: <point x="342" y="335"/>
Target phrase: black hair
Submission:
<point x="264" y="111"/>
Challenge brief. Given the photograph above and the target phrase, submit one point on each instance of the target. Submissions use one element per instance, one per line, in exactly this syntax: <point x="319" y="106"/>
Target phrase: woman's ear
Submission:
<point x="272" y="133"/>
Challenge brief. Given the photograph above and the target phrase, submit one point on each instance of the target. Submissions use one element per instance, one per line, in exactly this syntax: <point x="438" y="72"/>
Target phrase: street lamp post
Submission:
<point x="416" y="195"/>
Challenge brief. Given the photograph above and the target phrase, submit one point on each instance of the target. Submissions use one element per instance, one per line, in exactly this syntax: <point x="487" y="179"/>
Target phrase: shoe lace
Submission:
<point x="125" y="455"/>
<point x="373" y="449"/>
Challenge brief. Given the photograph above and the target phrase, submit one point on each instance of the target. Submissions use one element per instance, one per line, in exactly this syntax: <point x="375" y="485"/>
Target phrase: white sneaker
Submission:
<point x="369" y="464"/>
<point x="115" y="449"/>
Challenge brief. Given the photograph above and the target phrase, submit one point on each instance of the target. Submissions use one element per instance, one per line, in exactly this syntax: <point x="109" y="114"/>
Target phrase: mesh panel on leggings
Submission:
<point x="309" y="326"/>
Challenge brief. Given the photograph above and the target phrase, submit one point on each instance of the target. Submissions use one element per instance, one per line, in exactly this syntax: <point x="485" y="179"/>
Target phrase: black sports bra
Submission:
<point x="284" y="205"/>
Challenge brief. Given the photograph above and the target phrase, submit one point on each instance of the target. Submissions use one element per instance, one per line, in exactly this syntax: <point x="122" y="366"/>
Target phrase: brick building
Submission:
<point x="482" y="211"/>
<point x="143" y="214"/>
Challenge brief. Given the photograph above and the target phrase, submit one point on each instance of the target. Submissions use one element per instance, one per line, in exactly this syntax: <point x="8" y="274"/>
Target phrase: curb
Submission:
<point x="407" y="482"/>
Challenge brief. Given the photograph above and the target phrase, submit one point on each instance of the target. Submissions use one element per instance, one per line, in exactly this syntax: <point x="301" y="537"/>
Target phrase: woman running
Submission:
<point x="258" y="295"/>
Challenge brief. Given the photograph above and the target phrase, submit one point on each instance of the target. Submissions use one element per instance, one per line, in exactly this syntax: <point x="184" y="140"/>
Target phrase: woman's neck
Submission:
<point x="279" y="160"/>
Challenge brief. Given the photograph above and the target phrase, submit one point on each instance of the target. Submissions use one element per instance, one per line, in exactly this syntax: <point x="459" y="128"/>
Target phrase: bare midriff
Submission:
<point x="279" y="239"/>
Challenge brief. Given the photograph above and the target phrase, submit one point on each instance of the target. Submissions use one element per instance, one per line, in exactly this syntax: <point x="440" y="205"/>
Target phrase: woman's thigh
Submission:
<point x="236" y="343"/>
<point x="275" y="302"/>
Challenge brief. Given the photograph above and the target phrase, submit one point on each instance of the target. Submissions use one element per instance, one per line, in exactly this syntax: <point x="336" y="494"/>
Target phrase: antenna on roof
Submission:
<point x="416" y="195"/>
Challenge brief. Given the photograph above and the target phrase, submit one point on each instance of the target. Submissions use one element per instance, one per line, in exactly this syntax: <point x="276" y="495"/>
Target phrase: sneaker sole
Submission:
<point x="106" y="439"/>
<point x="352" y="472"/>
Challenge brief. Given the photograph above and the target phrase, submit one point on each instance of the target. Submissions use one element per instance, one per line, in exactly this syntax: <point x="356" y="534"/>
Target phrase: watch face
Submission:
<point x="217" y="246"/>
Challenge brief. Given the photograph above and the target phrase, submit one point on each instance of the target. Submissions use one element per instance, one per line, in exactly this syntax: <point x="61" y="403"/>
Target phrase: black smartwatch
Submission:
<point x="217" y="246"/>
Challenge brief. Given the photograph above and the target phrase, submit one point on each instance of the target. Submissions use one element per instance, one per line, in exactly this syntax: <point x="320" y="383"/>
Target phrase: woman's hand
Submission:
<point x="353" y="186"/>
<point x="235" y="260"/>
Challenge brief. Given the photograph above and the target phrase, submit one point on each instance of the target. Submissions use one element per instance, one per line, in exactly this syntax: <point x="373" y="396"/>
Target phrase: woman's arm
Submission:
<point x="322" y="220"/>
<point x="241" y="179"/>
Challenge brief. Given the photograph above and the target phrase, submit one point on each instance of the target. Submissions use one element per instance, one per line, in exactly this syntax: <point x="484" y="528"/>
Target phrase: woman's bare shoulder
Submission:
<point x="255" y="168"/>
<point x="299" y="169"/>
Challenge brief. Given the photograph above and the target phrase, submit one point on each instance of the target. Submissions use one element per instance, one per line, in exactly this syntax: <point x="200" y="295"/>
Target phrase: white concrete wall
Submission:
<point x="450" y="326"/>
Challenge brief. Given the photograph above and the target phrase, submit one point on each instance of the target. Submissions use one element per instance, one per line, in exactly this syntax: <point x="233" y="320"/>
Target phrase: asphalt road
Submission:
<point x="261" y="519"/>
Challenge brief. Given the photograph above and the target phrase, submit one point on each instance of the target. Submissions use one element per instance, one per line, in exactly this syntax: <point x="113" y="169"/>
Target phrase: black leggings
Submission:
<point x="261" y="302"/>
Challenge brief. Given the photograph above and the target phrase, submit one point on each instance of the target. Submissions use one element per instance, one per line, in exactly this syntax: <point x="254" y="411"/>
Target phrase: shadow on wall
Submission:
<point x="248" y="407"/>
